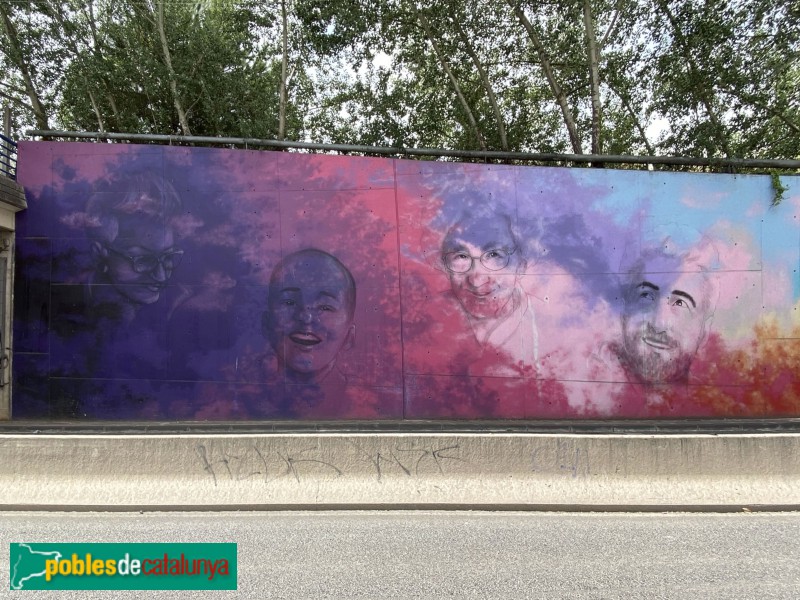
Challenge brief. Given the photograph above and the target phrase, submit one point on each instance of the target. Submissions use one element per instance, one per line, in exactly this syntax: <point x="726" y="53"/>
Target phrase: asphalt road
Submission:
<point x="461" y="555"/>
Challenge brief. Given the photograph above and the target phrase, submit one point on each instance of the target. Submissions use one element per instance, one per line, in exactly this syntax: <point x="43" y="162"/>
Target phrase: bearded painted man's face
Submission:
<point x="664" y="321"/>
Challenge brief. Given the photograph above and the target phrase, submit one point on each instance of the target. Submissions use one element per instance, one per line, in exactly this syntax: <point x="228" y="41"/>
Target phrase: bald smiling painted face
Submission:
<point x="664" y="322"/>
<point x="310" y="315"/>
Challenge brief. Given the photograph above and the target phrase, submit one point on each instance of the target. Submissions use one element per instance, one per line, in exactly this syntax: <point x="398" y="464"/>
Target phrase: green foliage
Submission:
<point x="715" y="79"/>
<point x="227" y="84"/>
<point x="778" y="188"/>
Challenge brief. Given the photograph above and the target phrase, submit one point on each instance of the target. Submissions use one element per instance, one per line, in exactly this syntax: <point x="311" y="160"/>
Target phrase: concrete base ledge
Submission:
<point x="400" y="470"/>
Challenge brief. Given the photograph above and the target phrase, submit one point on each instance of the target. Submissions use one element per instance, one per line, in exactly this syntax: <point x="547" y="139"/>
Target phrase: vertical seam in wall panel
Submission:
<point x="49" y="238"/>
<point x="281" y="253"/>
<point x="399" y="291"/>
<point x="761" y="264"/>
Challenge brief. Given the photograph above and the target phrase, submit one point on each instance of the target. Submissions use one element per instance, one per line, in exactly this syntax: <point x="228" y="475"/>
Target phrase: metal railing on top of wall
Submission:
<point x="730" y="164"/>
<point x="8" y="157"/>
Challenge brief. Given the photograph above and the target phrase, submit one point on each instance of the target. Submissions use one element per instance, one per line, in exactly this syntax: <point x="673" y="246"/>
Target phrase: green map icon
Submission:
<point x="27" y="563"/>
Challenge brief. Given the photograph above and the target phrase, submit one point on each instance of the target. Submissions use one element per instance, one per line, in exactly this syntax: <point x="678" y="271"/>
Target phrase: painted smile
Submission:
<point x="304" y="338"/>
<point x="658" y="343"/>
<point x="480" y="293"/>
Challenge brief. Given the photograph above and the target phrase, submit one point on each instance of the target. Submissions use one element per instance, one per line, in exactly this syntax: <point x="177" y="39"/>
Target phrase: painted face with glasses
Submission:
<point x="141" y="259"/>
<point x="482" y="261"/>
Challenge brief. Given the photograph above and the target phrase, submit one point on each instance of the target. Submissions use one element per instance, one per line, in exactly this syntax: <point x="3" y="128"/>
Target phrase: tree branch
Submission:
<point x="173" y="85"/>
<point x="627" y="106"/>
<point x="594" y="75"/>
<point x="558" y="92"/>
<point x="284" y="63"/>
<point x="454" y="82"/>
<point x="17" y="101"/>
<point x="487" y="85"/>
<point x="97" y="112"/>
<point x="609" y="29"/>
<point x="702" y="91"/>
<point x="30" y="89"/>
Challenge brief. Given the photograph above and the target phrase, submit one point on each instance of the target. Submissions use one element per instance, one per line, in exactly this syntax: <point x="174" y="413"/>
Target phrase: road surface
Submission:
<point x="462" y="555"/>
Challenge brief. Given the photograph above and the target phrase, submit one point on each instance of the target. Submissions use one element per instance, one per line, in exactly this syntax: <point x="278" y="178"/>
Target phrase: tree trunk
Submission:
<point x="173" y="85"/>
<point x="97" y="112"/>
<point x="284" y="65"/>
<point x="36" y="105"/>
<point x="703" y="92"/>
<point x="547" y="67"/>
<point x="58" y="14"/>
<point x="443" y="61"/>
<point x="114" y="110"/>
<point x="487" y="85"/>
<point x="594" y="76"/>
<point x="642" y="133"/>
<point x="92" y="24"/>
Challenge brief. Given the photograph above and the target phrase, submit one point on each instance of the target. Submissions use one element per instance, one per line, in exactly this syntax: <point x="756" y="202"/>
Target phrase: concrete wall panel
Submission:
<point x="163" y="283"/>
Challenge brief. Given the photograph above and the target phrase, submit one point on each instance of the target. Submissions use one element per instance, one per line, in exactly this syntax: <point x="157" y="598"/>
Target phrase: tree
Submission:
<point x="30" y="59"/>
<point x="197" y="69"/>
<point x="711" y="78"/>
<point x="726" y="76"/>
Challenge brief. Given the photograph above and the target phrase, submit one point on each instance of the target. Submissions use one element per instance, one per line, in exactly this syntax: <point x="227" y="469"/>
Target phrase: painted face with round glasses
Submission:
<point x="140" y="260"/>
<point x="151" y="262"/>
<point x="483" y="262"/>
<point x="462" y="261"/>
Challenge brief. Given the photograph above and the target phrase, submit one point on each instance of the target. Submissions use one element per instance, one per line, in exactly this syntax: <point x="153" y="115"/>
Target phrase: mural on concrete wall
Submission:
<point x="188" y="283"/>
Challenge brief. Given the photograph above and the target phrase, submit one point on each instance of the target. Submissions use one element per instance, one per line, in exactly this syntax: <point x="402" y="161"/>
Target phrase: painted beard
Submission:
<point x="669" y="364"/>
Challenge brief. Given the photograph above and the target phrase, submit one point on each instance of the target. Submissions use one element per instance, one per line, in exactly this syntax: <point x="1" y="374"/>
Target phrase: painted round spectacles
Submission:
<point x="492" y="260"/>
<point x="147" y="263"/>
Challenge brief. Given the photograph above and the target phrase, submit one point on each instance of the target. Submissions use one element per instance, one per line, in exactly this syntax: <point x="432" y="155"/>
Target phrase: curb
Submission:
<point x="493" y="471"/>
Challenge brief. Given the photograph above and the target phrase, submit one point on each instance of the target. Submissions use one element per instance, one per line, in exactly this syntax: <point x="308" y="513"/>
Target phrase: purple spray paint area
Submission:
<point x="163" y="283"/>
